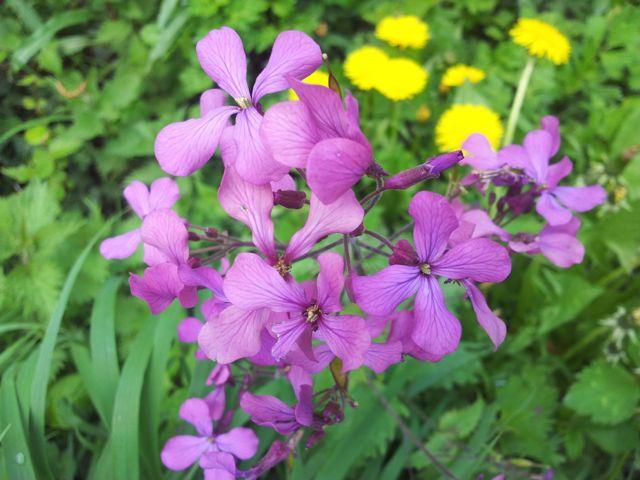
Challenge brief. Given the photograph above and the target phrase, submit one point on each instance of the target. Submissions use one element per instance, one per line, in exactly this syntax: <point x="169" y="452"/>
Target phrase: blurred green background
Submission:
<point x="91" y="383"/>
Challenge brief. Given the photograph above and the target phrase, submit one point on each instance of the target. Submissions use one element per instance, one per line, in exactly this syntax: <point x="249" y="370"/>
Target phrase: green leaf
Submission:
<point x="606" y="393"/>
<point x="125" y="425"/>
<point x="462" y="421"/>
<point x="45" y="357"/>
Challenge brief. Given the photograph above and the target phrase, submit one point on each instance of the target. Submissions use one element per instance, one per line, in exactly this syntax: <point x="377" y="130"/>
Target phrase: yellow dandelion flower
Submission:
<point x="461" y="120"/>
<point x="401" y="79"/>
<point x="541" y="40"/>
<point x="458" y="74"/>
<point x="316" y="78"/>
<point x="364" y="66"/>
<point x="405" y="31"/>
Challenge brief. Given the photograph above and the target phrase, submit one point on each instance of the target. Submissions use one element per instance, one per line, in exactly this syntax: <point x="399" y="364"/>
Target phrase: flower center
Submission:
<point x="282" y="267"/>
<point x="243" y="102"/>
<point x="312" y="314"/>
<point x="425" y="269"/>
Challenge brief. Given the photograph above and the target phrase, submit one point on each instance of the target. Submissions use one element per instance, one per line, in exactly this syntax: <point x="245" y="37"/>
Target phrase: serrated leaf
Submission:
<point x="606" y="393"/>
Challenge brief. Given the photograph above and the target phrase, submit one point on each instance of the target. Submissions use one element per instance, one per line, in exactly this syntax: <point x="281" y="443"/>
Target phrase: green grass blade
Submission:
<point x="154" y="388"/>
<point x="125" y="426"/>
<point x="104" y="354"/>
<point x="14" y="447"/>
<point x="45" y="356"/>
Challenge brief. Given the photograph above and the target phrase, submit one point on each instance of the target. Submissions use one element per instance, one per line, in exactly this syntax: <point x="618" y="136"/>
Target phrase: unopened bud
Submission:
<point x="193" y="237"/>
<point x="293" y="199"/>
<point x="375" y="170"/>
<point x="211" y="232"/>
<point x="403" y="254"/>
<point x="194" y="262"/>
<point x="430" y="169"/>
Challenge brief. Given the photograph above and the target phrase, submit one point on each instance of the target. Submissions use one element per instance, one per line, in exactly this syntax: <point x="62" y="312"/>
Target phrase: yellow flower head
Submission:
<point x="401" y="79"/>
<point x="541" y="40"/>
<point x="316" y="78"/>
<point x="461" y="120"/>
<point x="364" y="66"/>
<point x="458" y="74"/>
<point x="405" y="31"/>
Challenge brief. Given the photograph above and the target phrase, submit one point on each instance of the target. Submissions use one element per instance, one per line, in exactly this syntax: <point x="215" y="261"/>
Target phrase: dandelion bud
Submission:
<point x="403" y="254"/>
<point x="430" y="169"/>
<point x="293" y="199"/>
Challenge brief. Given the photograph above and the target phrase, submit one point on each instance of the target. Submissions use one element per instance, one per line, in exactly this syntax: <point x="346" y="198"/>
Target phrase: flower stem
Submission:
<point x="518" y="99"/>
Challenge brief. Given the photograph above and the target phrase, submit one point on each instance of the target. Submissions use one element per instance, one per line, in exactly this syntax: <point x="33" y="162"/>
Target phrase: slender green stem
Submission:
<point x="518" y="99"/>
<point x="394" y="123"/>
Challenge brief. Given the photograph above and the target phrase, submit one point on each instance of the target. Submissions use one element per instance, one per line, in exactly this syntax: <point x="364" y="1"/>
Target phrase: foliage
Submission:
<point x="86" y="87"/>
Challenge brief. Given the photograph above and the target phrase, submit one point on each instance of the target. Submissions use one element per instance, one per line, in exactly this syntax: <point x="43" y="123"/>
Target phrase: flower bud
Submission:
<point x="193" y="237"/>
<point x="211" y="232"/>
<point x="430" y="169"/>
<point x="375" y="170"/>
<point x="403" y="254"/>
<point x="293" y="199"/>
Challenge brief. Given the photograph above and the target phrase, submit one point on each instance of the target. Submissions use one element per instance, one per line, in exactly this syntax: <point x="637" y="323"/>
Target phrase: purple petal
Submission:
<point x="269" y="412"/>
<point x="381" y="293"/>
<point x="165" y="231"/>
<point x="137" y="196"/>
<point x="376" y="325"/>
<point x="335" y="165"/>
<point x="253" y="161"/>
<point x="210" y="100"/>
<point x="250" y="204"/>
<point x="218" y="466"/>
<point x="188" y="297"/>
<point x="288" y="333"/>
<point x="580" y="199"/>
<point x="516" y="157"/>
<point x="164" y="193"/>
<point x="196" y="412"/>
<point x="304" y="409"/>
<point x="298" y="377"/>
<point x="216" y="400"/>
<point x="479" y="259"/>
<point x="558" y="171"/>
<point x="294" y="54"/>
<point x="435" y="221"/>
<point x="184" y="147"/>
<point x="437" y="331"/>
<point x="285" y="183"/>
<point x="206" y="277"/>
<point x="494" y="326"/>
<point x="342" y="216"/>
<point x="188" y="330"/>
<point x="483" y="225"/>
<point x="159" y="286"/>
<point x="551" y="210"/>
<point x="233" y="334"/>
<point x="289" y="131"/>
<point x="551" y="125"/>
<point x="482" y="155"/>
<point x="331" y="119"/>
<point x="347" y="337"/>
<point x="180" y="452"/>
<point x="221" y="55"/>
<point x="219" y="376"/>
<point x="240" y="442"/>
<point x="252" y="284"/>
<point x="381" y="356"/>
<point x="401" y="330"/>
<point x="563" y="250"/>
<point x="120" y="246"/>
<point x="330" y="281"/>
<point x="538" y="145"/>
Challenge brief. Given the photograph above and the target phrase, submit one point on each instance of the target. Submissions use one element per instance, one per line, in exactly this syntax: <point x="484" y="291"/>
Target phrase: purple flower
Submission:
<point x="558" y="244"/>
<point x="188" y="330"/>
<point x="252" y="284"/>
<point x="533" y="157"/>
<point x="183" y="147"/>
<point x="432" y="168"/>
<point x="319" y="134"/>
<point x="163" y="194"/>
<point x="214" y="448"/>
<point x="437" y="331"/>
<point x="252" y="205"/>
<point x="272" y="412"/>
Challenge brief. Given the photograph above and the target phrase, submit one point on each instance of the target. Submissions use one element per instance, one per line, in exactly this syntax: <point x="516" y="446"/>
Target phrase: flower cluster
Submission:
<point x="263" y="318"/>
